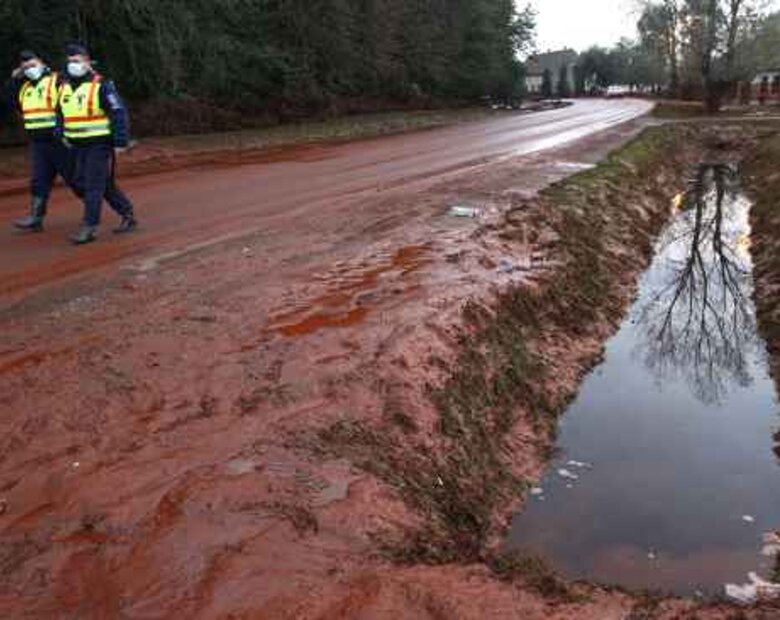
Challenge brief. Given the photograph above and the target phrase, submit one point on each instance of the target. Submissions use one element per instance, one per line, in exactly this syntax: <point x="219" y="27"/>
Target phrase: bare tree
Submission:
<point x="698" y="323"/>
<point x="659" y="30"/>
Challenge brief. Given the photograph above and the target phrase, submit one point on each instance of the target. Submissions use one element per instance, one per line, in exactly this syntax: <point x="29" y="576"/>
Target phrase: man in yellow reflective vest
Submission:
<point x="35" y="91"/>
<point x="95" y="126"/>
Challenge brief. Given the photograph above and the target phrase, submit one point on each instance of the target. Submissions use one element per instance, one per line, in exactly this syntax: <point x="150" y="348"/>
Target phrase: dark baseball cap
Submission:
<point x="76" y="49"/>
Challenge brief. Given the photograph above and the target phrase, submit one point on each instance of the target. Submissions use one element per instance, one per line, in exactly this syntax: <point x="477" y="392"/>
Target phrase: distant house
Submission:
<point x="552" y="62"/>
<point x="766" y="86"/>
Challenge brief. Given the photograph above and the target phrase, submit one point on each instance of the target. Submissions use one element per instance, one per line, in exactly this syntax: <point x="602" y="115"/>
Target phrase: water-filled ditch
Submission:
<point x="666" y="476"/>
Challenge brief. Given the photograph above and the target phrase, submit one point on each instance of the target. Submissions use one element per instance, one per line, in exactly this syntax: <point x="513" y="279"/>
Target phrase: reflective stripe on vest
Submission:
<point x="39" y="103"/>
<point x="83" y="116"/>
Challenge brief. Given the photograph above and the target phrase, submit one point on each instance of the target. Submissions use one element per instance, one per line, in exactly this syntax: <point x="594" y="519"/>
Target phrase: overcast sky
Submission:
<point x="582" y="23"/>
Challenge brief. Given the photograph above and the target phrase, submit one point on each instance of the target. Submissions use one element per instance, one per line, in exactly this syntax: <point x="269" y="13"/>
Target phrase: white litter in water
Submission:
<point x="464" y="211"/>
<point x="569" y="486"/>
<point x="651" y="555"/>
<point x="579" y="465"/>
<point x="565" y="473"/>
<point x="748" y="519"/>
<point x="537" y="491"/>
<point x="757" y="590"/>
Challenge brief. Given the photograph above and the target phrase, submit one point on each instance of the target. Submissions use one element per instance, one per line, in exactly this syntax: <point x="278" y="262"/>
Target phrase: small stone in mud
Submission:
<point x="769" y="551"/>
<point x="239" y="467"/>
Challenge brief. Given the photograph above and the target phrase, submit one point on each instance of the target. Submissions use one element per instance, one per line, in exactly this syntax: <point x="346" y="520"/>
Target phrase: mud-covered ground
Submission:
<point x="346" y="436"/>
<point x="762" y="177"/>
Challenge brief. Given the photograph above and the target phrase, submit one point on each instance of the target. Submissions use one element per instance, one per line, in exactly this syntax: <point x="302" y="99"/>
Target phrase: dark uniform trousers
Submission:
<point x="50" y="157"/>
<point x="94" y="180"/>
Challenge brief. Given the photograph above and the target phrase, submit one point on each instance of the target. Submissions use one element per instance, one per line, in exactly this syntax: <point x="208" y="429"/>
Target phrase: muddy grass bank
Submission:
<point x="762" y="180"/>
<point x="522" y="356"/>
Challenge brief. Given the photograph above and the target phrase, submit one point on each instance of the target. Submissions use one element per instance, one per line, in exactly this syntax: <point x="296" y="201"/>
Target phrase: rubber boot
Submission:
<point x="128" y="224"/>
<point x="84" y="235"/>
<point x="33" y="222"/>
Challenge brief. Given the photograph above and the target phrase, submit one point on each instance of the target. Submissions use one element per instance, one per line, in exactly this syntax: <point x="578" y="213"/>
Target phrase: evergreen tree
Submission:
<point x="547" y="85"/>
<point x="564" y="89"/>
<point x="300" y="55"/>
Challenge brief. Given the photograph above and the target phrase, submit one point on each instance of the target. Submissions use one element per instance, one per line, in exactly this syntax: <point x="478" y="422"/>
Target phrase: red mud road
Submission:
<point x="199" y="205"/>
<point x="160" y="408"/>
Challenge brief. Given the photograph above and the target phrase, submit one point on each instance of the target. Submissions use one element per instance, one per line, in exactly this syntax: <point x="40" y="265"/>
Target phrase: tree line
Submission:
<point x="690" y="48"/>
<point x="287" y="56"/>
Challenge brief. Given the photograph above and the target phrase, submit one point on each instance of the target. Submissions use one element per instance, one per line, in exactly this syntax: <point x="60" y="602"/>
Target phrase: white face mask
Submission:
<point x="34" y="73"/>
<point x="77" y="69"/>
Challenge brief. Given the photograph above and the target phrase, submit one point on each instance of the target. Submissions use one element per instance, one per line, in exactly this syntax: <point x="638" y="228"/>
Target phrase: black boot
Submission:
<point x="85" y="234"/>
<point x="33" y="222"/>
<point x="128" y="224"/>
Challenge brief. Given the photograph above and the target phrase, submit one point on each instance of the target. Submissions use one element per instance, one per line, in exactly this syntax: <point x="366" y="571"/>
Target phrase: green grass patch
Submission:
<point x="679" y="109"/>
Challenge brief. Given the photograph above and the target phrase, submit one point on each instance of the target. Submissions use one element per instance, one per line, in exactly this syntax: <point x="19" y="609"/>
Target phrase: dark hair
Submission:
<point x="28" y="55"/>
<point x="76" y="49"/>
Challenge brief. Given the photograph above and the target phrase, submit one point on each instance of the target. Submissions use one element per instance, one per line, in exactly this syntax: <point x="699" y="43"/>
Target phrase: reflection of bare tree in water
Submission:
<point x="699" y="322"/>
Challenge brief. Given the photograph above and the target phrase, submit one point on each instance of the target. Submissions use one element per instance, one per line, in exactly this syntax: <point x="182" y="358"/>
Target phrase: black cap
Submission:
<point x="76" y="49"/>
<point x="28" y="55"/>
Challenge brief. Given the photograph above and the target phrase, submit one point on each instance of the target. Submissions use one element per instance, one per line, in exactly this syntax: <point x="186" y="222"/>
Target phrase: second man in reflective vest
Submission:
<point x="95" y="125"/>
<point x="35" y="91"/>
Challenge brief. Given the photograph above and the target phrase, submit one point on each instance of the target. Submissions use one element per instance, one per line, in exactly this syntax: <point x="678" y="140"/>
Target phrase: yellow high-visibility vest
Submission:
<point x="82" y="115"/>
<point x="39" y="103"/>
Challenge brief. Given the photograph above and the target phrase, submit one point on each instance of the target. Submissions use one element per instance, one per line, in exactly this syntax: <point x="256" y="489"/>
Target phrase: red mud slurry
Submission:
<point x="158" y="436"/>
<point x="13" y="362"/>
<point x="341" y="305"/>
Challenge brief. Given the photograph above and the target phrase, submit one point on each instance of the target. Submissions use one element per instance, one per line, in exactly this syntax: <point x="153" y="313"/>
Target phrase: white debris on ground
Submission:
<point x="537" y="491"/>
<point x="757" y="589"/>
<point x="748" y="519"/>
<point x="464" y="211"/>
<point x="568" y="475"/>
<point x="507" y="265"/>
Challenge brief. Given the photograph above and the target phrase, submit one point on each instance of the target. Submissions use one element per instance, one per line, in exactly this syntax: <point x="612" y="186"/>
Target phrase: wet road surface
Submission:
<point x="199" y="206"/>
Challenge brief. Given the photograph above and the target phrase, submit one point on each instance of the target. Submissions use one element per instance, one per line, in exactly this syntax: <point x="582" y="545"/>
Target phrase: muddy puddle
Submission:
<point x="666" y="477"/>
